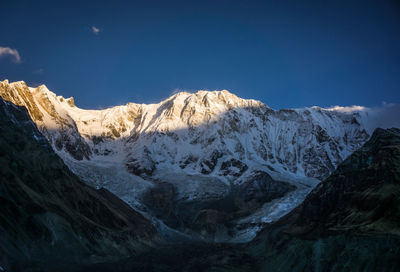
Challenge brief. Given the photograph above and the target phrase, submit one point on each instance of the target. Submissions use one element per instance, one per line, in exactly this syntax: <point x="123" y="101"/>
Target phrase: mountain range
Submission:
<point x="199" y="169"/>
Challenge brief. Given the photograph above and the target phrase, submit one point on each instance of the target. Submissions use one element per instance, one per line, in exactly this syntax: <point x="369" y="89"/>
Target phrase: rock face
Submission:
<point x="361" y="195"/>
<point x="350" y="221"/>
<point x="52" y="121"/>
<point x="49" y="219"/>
<point x="260" y="187"/>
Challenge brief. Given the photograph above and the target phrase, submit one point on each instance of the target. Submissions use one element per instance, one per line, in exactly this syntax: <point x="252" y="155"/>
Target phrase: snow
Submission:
<point x="109" y="172"/>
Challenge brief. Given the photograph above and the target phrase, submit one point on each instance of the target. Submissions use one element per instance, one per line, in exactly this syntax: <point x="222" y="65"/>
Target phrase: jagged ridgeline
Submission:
<point x="49" y="219"/>
<point x="204" y="132"/>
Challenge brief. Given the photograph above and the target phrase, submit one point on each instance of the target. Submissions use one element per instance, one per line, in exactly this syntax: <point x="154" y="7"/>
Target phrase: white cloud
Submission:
<point x="95" y="30"/>
<point x="386" y="115"/>
<point x="347" y="109"/>
<point x="7" y="51"/>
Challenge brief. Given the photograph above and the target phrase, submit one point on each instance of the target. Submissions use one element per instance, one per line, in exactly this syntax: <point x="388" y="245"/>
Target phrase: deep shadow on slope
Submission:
<point x="213" y="218"/>
<point x="50" y="219"/>
<point x="351" y="221"/>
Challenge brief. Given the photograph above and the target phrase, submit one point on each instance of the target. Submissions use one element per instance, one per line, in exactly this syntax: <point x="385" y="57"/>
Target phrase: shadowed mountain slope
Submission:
<point x="349" y="222"/>
<point x="362" y="195"/>
<point x="49" y="219"/>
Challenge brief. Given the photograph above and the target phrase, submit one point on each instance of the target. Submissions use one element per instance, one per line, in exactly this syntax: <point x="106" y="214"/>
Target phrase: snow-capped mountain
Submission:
<point x="205" y="132"/>
<point x="202" y="143"/>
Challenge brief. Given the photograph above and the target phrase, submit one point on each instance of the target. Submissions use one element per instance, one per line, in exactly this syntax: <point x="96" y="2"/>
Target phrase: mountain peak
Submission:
<point x="20" y="84"/>
<point x="200" y="94"/>
<point x="213" y="100"/>
<point x="71" y="101"/>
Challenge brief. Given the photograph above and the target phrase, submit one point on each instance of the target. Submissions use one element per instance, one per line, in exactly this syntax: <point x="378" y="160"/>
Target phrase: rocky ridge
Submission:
<point x="350" y="221"/>
<point x="49" y="219"/>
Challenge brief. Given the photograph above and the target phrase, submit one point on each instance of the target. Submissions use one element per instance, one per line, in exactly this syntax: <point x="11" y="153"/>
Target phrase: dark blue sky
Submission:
<point x="284" y="53"/>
